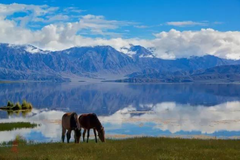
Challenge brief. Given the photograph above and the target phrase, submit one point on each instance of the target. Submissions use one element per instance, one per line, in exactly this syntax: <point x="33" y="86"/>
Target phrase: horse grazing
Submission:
<point x="70" y="122"/>
<point x="90" y="121"/>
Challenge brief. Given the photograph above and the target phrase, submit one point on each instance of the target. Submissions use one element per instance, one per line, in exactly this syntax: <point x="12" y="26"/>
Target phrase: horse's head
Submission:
<point x="77" y="135"/>
<point x="101" y="134"/>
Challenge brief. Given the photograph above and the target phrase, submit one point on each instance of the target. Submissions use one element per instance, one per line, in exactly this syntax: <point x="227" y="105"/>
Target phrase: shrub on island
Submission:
<point x="11" y="106"/>
<point x="26" y="105"/>
<point x="17" y="106"/>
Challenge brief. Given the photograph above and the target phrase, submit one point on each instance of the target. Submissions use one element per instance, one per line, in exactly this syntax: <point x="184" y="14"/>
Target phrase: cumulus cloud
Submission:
<point x="175" y="44"/>
<point x="58" y="36"/>
<point x="186" y="23"/>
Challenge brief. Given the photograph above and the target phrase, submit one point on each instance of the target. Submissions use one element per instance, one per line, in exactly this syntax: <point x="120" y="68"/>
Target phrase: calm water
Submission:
<point x="127" y="110"/>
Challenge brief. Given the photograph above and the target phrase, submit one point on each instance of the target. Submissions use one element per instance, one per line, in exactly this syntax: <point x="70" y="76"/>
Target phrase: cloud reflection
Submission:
<point x="160" y="119"/>
<point x="49" y="128"/>
<point x="176" y="117"/>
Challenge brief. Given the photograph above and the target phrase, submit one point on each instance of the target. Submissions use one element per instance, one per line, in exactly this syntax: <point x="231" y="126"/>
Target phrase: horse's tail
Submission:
<point x="63" y="119"/>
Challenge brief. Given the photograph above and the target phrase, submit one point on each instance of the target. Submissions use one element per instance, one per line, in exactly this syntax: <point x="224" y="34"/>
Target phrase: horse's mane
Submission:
<point x="97" y="120"/>
<point x="73" y="120"/>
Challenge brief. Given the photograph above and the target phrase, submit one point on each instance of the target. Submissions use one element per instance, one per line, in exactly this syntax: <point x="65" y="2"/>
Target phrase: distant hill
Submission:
<point x="27" y="62"/>
<point x="184" y="64"/>
<point x="219" y="74"/>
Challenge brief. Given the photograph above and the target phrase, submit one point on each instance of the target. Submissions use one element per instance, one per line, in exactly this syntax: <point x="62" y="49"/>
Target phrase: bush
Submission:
<point x="26" y="105"/>
<point x="10" y="104"/>
<point x="17" y="106"/>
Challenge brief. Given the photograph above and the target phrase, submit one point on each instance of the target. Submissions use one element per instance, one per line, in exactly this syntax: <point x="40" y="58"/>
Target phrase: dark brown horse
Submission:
<point x="70" y="122"/>
<point x="90" y="121"/>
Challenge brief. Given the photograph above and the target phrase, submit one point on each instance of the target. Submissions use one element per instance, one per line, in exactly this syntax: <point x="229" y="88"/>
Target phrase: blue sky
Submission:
<point x="174" y="28"/>
<point x="151" y="16"/>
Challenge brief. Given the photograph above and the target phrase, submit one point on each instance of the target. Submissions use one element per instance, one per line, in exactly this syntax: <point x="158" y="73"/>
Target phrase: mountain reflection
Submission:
<point x="108" y="98"/>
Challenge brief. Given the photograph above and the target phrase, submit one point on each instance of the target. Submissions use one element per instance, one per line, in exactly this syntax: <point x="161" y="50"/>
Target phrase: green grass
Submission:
<point x="136" y="148"/>
<point x="16" y="125"/>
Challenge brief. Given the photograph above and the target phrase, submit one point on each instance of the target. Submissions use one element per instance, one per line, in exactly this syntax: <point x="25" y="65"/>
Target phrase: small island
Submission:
<point x="17" y="106"/>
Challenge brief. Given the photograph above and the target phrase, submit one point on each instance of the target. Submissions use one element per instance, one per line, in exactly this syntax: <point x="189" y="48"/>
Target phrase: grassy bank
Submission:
<point x="138" y="148"/>
<point x="16" y="125"/>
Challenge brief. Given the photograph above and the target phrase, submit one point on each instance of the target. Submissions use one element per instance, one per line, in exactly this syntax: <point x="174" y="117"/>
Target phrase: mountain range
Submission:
<point x="138" y="64"/>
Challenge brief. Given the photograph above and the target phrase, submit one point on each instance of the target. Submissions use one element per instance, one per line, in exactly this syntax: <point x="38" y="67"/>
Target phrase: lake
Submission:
<point x="127" y="110"/>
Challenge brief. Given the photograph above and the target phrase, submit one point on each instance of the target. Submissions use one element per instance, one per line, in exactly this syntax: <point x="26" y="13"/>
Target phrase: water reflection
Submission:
<point x="162" y="119"/>
<point x="49" y="128"/>
<point x="127" y="109"/>
<point x="177" y="118"/>
<point x="107" y="98"/>
<point x="22" y="113"/>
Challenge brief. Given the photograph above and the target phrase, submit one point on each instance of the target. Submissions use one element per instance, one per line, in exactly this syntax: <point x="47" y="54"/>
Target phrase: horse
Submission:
<point x="90" y="121"/>
<point x="70" y="122"/>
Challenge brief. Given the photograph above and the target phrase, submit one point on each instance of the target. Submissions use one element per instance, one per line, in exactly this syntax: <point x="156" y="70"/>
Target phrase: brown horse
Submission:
<point x="70" y="122"/>
<point x="90" y="121"/>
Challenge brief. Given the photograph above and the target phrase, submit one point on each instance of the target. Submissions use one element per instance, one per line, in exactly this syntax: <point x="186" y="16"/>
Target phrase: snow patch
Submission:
<point x="32" y="49"/>
<point x="146" y="56"/>
<point x="128" y="52"/>
<point x="28" y="48"/>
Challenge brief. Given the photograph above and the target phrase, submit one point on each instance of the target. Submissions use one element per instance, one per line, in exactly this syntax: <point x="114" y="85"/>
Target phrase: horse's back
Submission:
<point x="69" y="120"/>
<point x="88" y="121"/>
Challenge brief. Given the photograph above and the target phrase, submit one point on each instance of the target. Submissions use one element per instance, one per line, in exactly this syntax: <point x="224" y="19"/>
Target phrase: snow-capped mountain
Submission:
<point x="26" y="62"/>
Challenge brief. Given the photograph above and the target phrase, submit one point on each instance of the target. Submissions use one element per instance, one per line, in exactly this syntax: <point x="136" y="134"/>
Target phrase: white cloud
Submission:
<point x="13" y="8"/>
<point x="177" y="44"/>
<point x="141" y="26"/>
<point x="59" y="17"/>
<point x="73" y="9"/>
<point x="58" y="36"/>
<point x="186" y="23"/>
<point x="33" y="12"/>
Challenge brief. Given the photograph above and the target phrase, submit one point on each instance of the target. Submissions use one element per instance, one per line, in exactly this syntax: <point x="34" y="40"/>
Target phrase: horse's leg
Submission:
<point x="63" y="134"/>
<point x="80" y="135"/>
<point x="75" y="137"/>
<point x="84" y="132"/>
<point x="88" y="134"/>
<point x="68" y="135"/>
<point x="94" y="130"/>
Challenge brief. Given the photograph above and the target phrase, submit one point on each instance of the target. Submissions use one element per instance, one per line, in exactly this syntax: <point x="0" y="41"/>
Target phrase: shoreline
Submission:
<point x="122" y="82"/>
